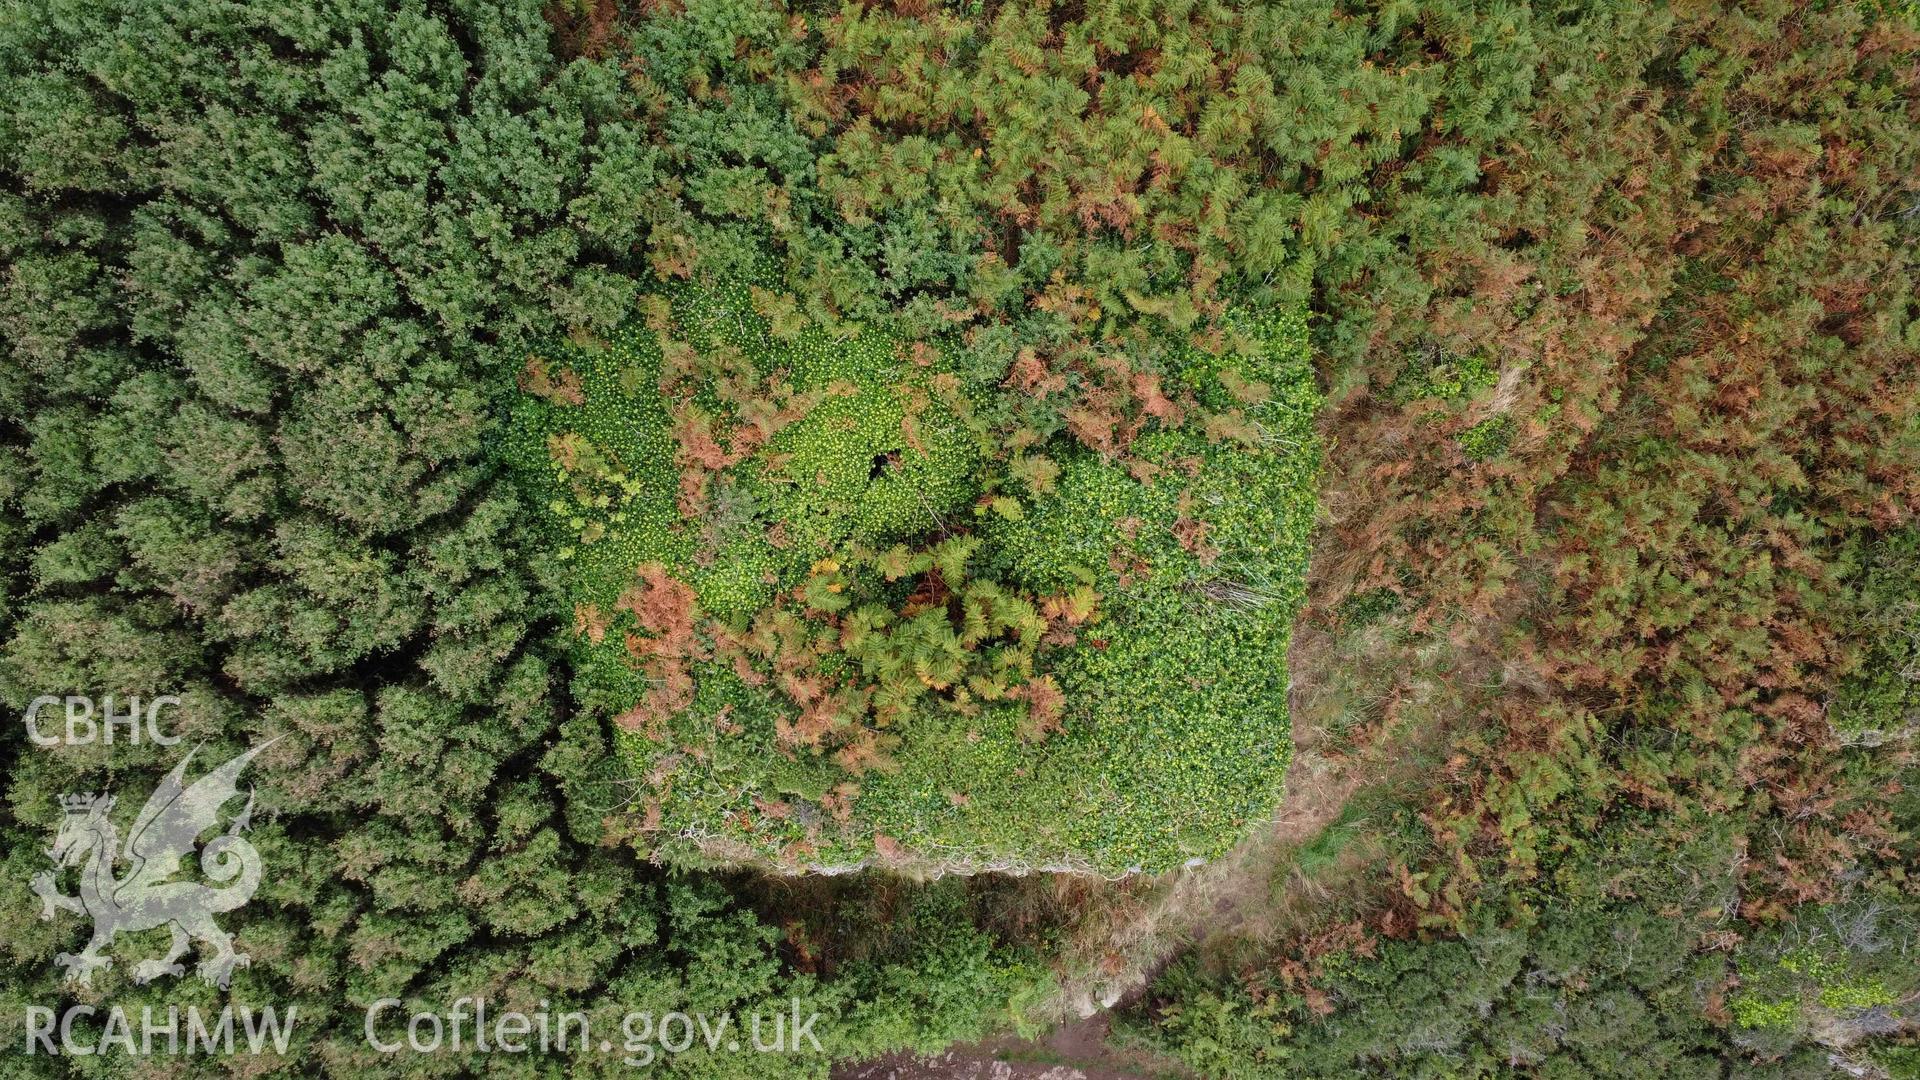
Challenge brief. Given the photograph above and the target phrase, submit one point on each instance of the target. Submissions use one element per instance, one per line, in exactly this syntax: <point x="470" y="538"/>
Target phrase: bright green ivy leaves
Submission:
<point x="838" y="614"/>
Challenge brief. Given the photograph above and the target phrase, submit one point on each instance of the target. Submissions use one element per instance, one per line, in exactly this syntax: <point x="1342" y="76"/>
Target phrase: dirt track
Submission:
<point x="1076" y="1050"/>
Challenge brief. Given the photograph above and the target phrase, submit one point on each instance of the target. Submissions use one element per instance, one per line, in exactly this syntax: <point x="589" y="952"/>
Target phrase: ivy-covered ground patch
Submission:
<point x="842" y="607"/>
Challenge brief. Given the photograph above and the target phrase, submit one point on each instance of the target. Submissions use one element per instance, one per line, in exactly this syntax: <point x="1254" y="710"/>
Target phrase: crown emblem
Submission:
<point x="87" y="803"/>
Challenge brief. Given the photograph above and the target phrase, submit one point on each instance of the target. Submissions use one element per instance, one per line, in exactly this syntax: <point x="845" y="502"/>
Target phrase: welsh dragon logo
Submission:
<point x="145" y="897"/>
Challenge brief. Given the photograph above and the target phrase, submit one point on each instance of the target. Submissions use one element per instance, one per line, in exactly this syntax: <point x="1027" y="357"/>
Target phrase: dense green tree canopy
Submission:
<point x="600" y="442"/>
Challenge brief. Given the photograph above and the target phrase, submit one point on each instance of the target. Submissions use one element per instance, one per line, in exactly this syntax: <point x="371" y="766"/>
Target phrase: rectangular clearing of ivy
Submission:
<point x="843" y="610"/>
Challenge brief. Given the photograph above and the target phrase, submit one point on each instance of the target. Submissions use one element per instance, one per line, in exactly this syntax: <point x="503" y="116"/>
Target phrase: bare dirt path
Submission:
<point x="1076" y="1050"/>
